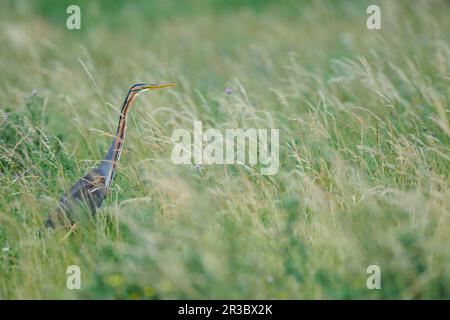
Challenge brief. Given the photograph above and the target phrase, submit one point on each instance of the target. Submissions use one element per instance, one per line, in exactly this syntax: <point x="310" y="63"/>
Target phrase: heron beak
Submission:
<point x="159" y="85"/>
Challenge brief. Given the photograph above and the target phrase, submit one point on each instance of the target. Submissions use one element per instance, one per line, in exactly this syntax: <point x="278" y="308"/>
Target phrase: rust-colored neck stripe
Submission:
<point x="121" y="129"/>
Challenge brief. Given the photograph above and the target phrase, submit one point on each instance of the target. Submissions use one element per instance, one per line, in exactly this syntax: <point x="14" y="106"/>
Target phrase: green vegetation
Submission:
<point x="364" y="149"/>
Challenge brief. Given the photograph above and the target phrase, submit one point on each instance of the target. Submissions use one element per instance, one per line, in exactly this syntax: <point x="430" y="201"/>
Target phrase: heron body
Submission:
<point x="88" y="193"/>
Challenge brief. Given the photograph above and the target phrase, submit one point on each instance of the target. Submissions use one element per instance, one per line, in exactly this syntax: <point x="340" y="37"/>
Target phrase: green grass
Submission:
<point x="364" y="149"/>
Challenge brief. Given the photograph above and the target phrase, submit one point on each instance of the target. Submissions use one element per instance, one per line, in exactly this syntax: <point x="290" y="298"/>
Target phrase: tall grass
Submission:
<point x="364" y="150"/>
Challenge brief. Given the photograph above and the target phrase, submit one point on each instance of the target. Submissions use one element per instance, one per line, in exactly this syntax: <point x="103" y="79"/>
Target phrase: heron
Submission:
<point x="87" y="194"/>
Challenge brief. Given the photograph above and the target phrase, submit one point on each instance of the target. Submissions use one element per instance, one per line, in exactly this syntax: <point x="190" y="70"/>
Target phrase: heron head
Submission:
<point x="141" y="87"/>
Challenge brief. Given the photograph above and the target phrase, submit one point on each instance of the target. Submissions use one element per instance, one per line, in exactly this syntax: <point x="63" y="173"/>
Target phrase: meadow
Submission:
<point x="364" y="149"/>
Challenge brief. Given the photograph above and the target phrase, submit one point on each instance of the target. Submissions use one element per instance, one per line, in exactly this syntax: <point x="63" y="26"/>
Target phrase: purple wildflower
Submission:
<point x="228" y="90"/>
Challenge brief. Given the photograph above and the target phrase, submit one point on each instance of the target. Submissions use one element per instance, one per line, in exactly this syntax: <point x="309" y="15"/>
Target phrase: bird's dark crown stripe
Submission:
<point x="136" y="85"/>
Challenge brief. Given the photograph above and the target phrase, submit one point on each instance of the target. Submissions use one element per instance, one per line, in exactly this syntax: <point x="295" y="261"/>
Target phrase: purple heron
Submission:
<point x="88" y="193"/>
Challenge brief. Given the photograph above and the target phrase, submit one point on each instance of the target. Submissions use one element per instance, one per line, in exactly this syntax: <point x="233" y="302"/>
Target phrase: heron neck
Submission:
<point x="109" y="163"/>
